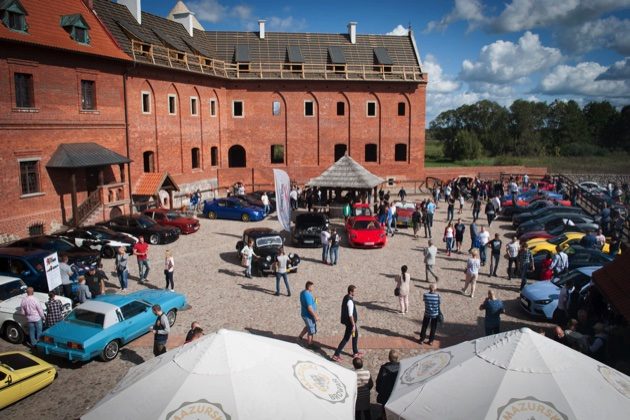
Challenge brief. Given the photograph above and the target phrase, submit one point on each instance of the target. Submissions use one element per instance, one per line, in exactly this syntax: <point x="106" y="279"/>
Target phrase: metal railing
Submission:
<point x="160" y="55"/>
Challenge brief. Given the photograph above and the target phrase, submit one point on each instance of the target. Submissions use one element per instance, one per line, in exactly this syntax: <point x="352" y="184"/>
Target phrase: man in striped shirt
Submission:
<point x="431" y="312"/>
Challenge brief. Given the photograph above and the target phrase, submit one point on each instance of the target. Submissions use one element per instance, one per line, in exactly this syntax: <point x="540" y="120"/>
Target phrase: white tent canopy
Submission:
<point x="514" y="375"/>
<point x="233" y="375"/>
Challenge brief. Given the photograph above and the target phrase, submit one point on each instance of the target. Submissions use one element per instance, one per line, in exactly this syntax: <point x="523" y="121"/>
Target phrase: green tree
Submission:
<point x="527" y="120"/>
<point x="465" y="145"/>
<point x="601" y="117"/>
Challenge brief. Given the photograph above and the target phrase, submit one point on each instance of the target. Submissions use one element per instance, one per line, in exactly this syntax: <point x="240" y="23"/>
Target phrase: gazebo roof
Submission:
<point x="346" y="173"/>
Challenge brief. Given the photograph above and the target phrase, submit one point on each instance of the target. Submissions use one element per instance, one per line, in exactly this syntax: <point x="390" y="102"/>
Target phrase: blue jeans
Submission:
<point x="390" y="229"/>
<point x="449" y="245"/>
<point x="248" y="269"/>
<point x="34" y="331"/>
<point x="482" y="254"/>
<point x="143" y="269"/>
<point x="267" y="209"/>
<point x="450" y="213"/>
<point x="286" y="283"/>
<point x="122" y="278"/>
<point x="430" y="219"/>
<point x="325" y="248"/>
<point x="334" y="254"/>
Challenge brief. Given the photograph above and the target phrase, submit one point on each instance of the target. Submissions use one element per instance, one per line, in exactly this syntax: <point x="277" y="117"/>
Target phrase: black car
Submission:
<point x="519" y="219"/>
<point x="267" y="244"/>
<point x="508" y="211"/>
<point x="141" y="225"/>
<point x="552" y="221"/>
<point x="578" y="257"/>
<point x="307" y="229"/>
<point x="79" y="256"/>
<point x="101" y="239"/>
<point x="253" y="199"/>
<point x="270" y="194"/>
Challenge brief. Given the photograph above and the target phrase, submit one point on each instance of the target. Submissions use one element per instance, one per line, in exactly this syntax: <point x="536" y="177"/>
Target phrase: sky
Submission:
<point x="504" y="50"/>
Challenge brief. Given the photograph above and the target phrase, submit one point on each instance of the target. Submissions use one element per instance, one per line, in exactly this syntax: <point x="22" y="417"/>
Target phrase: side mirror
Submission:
<point x="26" y="273"/>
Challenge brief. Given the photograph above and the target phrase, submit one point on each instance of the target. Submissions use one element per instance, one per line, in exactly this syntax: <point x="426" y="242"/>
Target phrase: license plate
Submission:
<point x="525" y="302"/>
<point x="369" y="243"/>
<point x="309" y="241"/>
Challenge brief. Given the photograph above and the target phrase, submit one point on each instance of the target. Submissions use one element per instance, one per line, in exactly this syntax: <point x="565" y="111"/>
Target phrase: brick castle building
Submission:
<point x="104" y="105"/>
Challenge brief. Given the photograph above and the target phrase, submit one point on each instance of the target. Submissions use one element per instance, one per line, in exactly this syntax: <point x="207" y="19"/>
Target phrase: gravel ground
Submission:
<point x="207" y="271"/>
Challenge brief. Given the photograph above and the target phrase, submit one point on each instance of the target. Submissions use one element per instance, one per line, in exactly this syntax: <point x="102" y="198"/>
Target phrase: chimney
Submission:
<point x="352" y="32"/>
<point x="186" y="19"/>
<point x="261" y="28"/>
<point x="134" y="8"/>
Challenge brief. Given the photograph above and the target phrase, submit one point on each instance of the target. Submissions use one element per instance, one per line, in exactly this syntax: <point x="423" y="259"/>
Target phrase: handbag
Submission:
<point x="440" y="317"/>
<point x="397" y="291"/>
<point x="244" y="261"/>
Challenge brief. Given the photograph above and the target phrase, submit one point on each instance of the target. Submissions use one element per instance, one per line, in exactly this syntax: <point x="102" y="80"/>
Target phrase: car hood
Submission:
<point x="366" y="235"/>
<point x="541" y="290"/>
<point x="268" y="250"/>
<point x="186" y="221"/>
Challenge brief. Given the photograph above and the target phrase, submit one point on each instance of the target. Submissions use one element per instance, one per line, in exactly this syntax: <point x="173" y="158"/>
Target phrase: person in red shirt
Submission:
<point x="546" y="273"/>
<point x="141" y="251"/>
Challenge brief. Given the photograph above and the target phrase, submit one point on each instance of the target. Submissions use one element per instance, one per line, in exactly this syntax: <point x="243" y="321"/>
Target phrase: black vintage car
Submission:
<point x="141" y="225"/>
<point x="307" y="229"/>
<point x="267" y="244"/>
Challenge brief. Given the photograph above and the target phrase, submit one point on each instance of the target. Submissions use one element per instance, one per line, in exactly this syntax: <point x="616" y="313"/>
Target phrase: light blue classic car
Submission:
<point x="101" y="326"/>
<point x="232" y="208"/>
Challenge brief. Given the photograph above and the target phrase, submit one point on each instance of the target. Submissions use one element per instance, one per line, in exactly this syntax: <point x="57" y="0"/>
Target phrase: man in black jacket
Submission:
<point x="387" y="378"/>
<point x="349" y="319"/>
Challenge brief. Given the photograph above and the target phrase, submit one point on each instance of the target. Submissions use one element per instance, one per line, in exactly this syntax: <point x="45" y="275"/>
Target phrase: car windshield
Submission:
<point x="366" y="225"/>
<point x="307" y="220"/>
<point x="173" y="216"/>
<point x="83" y="316"/>
<point x="557" y="240"/>
<point x="12" y="289"/>
<point x="146" y="222"/>
<point x="362" y="211"/>
<point x="575" y="276"/>
<point x="269" y="241"/>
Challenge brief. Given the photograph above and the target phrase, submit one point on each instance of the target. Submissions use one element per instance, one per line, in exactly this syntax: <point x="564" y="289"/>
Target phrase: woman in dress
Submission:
<point x="402" y="283"/>
<point x="472" y="272"/>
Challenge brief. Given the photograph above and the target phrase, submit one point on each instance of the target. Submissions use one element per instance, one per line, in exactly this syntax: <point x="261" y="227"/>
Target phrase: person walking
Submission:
<point x="525" y="263"/>
<point x="511" y="250"/>
<point x="402" y="193"/>
<point x="472" y="272"/>
<point x="349" y="319"/>
<point x="476" y="208"/>
<point x="474" y="236"/>
<point x="169" y="267"/>
<point x="416" y="219"/>
<point x="308" y="310"/>
<point x="484" y="238"/>
<point x="402" y="284"/>
<point x="161" y="328"/>
<point x="264" y="198"/>
<point x="34" y="313"/>
<point x="390" y="219"/>
<point x="324" y="238"/>
<point x="495" y="246"/>
<point x="426" y="222"/>
<point x="431" y="312"/>
<point x="280" y="266"/>
<point x="490" y="212"/>
<point x="54" y="310"/>
<point x="121" y="268"/>
<point x="430" y="253"/>
<point x="364" y="385"/>
<point x="494" y="308"/>
<point x="450" y="209"/>
<point x="386" y="378"/>
<point x="460" y="228"/>
<point x="247" y="254"/>
<point x="462" y="201"/>
<point x="141" y="251"/>
<point x="334" y="242"/>
<point x="430" y="211"/>
<point x="449" y="238"/>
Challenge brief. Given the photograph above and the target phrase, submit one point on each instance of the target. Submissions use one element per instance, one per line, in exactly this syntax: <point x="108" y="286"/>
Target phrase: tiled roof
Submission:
<point x="612" y="281"/>
<point x="346" y="173"/>
<point x="44" y="29"/>
<point x="84" y="155"/>
<point x="271" y="49"/>
<point x="150" y="183"/>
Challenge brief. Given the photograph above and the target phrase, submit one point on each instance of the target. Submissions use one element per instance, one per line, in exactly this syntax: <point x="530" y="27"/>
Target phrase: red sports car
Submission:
<point x="365" y="232"/>
<point x="173" y="218"/>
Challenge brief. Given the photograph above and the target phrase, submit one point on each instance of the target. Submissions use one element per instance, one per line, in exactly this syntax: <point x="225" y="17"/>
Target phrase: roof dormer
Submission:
<point x="13" y="15"/>
<point x="77" y="27"/>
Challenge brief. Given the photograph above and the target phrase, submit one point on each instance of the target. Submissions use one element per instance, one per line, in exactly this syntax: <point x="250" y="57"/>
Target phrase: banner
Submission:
<point x="53" y="274"/>
<point x="283" y="205"/>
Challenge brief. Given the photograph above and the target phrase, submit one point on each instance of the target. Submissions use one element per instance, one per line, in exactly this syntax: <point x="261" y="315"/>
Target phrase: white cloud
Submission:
<point x="610" y="32"/>
<point x="286" y="24"/>
<point x="398" y="31"/>
<point x="618" y="71"/>
<point x="438" y="82"/>
<point x="470" y="10"/>
<point x="582" y="79"/>
<point x="208" y="10"/>
<point x="241" y="12"/>
<point x="506" y="62"/>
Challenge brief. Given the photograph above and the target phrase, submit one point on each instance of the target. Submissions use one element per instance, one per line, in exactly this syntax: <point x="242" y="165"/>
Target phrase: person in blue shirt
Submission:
<point x="430" y="212"/>
<point x="308" y="305"/>
<point x="494" y="308"/>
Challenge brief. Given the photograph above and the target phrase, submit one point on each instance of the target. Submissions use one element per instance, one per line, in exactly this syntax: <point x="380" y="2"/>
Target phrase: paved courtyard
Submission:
<point x="207" y="271"/>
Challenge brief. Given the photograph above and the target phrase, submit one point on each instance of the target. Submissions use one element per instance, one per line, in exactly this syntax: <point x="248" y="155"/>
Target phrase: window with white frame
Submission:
<point x="309" y="108"/>
<point x="146" y="102"/>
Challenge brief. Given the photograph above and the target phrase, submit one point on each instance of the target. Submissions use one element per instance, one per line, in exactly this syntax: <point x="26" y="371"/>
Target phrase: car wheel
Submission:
<point x="110" y="351"/>
<point x="212" y="215"/>
<point x="154" y="239"/>
<point x="108" y="252"/>
<point x="13" y="333"/>
<point x="171" y="316"/>
<point x="245" y="217"/>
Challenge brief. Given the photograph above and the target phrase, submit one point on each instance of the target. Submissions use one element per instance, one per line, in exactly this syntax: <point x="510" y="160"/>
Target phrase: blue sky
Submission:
<point x="472" y="49"/>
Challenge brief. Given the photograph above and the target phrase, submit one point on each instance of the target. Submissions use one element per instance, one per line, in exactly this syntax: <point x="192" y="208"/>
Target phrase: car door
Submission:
<point x="137" y="318"/>
<point x="11" y="389"/>
<point x="232" y="210"/>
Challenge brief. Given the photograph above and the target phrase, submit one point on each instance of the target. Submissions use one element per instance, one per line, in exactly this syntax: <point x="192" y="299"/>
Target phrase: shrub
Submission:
<point x="464" y="146"/>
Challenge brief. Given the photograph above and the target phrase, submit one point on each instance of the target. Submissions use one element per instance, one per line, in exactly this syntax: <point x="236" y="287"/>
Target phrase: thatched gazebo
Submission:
<point x="347" y="175"/>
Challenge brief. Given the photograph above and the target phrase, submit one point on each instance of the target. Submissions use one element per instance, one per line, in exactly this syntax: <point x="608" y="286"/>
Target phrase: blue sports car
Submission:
<point x="101" y="326"/>
<point x="541" y="298"/>
<point x="232" y="208"/>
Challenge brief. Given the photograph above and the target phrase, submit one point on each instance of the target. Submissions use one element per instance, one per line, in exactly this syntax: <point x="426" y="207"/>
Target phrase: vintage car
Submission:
<point x="141" y="225"/>
<point x="22" y="374"/>
<point x="267" y="244"/>
<point x="524" y="217"/>
<point x="307" y="229"/>
<point x="13" y="323"/>
<point x="553" y="221"/>
<point x="100" y="238"/>
<point x="79" y="256"/>
<point x="578" y="257"/>
<point x="365" y="232"/>
<point x="566" y="239"/>
<point x="404" y="211"/>
<point x="101" y="326"/>
<point x="232" y="208"/>
<point x="540" y="299"/>
<point x="175" y="218"/>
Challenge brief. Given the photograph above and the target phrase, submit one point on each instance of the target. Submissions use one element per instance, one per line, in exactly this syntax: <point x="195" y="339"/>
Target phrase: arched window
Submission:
<point x="400" y="152"/>
<point x="214" y="156"/>
<point x="340" y="150"/>
<point x="371" y="152"/>
<point x="237" y="157"/>
<point x="195" y="157"/>
<point x="148" y="158"/>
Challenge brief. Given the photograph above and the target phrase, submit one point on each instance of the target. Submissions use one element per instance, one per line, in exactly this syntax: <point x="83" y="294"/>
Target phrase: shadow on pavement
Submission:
<point x="375" y="306"/>
<point x="256" y="288"/>
<point x="317" y="347"/>
<point x="130" y="355"/>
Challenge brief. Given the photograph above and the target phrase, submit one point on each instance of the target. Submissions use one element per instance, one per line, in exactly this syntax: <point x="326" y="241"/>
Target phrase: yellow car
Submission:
<point x="22" y="374"/>
<point x="565" y="239"/>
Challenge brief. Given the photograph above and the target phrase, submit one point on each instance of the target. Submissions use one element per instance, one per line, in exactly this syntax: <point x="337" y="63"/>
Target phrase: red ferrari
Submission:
<point x="365" y="232"/>
<point x="173" y="218"/>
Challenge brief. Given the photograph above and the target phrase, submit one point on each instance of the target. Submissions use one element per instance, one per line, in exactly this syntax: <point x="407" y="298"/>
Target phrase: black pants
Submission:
<point x="492" y="330"/>
<point x="159" y="347"/>
<point x="169" y="279"/>
<point x="346" y="337"/>
<point x="425" y="324"/>
<point x="494" y="263"/>
<point x="511" y="270"/>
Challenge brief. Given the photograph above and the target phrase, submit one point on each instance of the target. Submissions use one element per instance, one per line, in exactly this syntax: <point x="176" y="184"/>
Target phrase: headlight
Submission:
<point x="291" y="256"/>
<point x="268" y="258"/>
<point x="543" y="301"/>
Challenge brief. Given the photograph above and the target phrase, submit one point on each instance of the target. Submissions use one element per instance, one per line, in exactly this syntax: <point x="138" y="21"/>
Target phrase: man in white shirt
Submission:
<point x="429" y="260"/>
<point x="281" y="271"/>
<point x="512" y="251"/>
<point x="496" y="202"/>
<point x="265" y="201"/>
<point x="484" y="237"/>
<point x="601" y="239"/>
<point x="66" y="274"/>
<point x="324" y="237"/>
<point x="293" y="198"/>
<point x="560" y="262"/>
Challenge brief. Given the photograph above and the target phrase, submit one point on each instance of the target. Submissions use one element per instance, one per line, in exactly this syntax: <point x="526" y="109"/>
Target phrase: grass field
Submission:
<point x="618" y="163"/>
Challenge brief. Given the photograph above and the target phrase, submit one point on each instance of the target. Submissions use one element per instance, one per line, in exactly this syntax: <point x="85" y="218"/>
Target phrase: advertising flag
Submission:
<point x="283" y="206"/>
